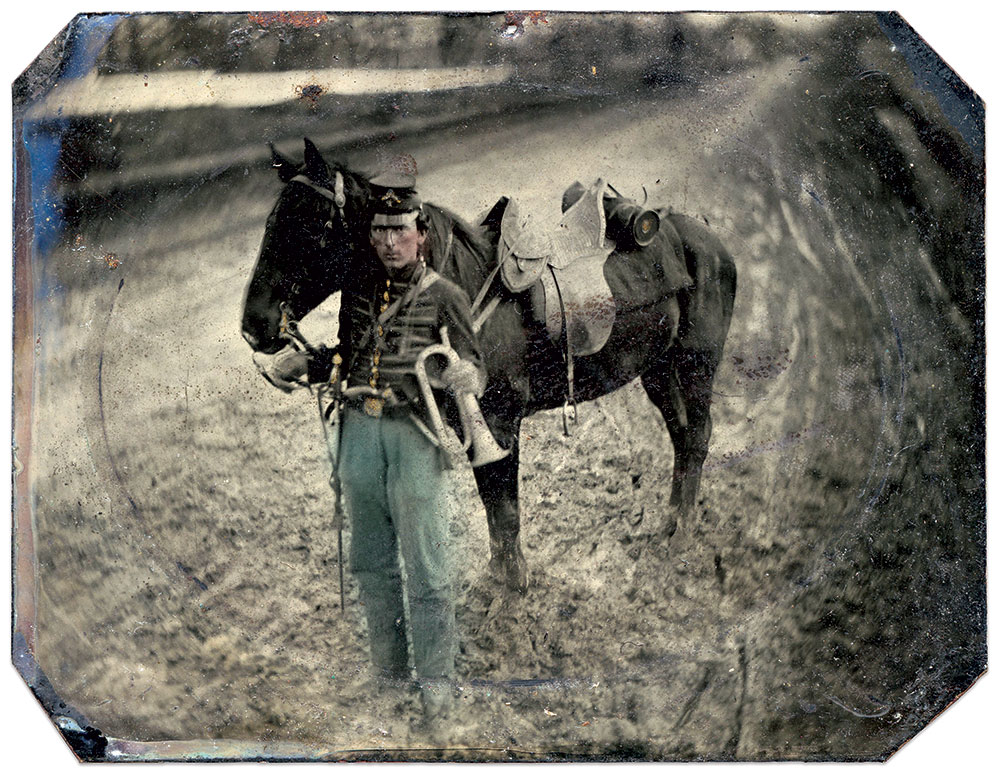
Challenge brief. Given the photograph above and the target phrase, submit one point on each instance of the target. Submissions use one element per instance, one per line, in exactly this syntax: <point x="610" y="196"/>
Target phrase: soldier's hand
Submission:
<point x="321" y="365"/>
<point x="285" y="369"/>
<point x="463" y="376"/>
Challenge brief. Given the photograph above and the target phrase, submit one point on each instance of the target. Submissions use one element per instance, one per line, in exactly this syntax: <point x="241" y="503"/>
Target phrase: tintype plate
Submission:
<point x="819" y="595"/>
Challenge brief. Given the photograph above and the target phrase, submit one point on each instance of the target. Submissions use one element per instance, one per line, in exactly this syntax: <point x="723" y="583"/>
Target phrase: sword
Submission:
<point x="329" y="418"/>
<point x="327" y="394"/>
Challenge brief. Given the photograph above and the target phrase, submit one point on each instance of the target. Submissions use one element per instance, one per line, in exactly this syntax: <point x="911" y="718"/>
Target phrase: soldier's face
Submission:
<point x="398" y="246"/>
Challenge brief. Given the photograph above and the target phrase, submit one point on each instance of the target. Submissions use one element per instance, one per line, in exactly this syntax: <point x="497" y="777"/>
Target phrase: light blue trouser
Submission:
<point x="397" y="496"/>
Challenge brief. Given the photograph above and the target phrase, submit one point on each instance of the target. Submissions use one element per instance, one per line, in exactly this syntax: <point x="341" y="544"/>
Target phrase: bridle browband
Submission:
<point x="336" y="197"/>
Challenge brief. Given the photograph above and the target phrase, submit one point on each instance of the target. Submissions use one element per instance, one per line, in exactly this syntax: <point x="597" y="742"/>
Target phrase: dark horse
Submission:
<point x="317" y="236"/>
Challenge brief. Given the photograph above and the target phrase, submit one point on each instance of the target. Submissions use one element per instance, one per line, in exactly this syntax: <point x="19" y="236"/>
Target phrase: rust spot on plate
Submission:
<point x="310" y="93"/>
<point x="762" y="366"/>
<point x="514" y="21"/>
<point x="293" y="18"/>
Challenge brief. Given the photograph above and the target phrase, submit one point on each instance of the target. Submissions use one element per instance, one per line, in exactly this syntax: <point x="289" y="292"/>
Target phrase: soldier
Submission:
<point x="392" y="470"/>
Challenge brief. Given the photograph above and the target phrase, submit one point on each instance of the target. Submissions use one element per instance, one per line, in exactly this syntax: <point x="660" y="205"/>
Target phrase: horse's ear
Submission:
<point x="285" y="167"/>
<point x="491" y="220"/>
<point x="316" y="167"/>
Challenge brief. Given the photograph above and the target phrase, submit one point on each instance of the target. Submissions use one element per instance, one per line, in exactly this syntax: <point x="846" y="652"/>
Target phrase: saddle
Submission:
<point x="568" y="260"/>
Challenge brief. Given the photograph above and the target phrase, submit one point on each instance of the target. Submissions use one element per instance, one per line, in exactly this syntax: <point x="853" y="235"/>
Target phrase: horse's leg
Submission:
<point x="694" y="373"/>
<point x="498" y="488"/>
<point x="681" y="388"/>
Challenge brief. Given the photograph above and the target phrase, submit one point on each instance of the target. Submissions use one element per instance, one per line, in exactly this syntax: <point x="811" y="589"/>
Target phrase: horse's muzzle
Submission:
<point x="250" y="339"/>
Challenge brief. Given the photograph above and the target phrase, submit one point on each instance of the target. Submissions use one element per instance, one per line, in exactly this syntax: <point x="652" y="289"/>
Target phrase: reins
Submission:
<point x="480" y="319"/>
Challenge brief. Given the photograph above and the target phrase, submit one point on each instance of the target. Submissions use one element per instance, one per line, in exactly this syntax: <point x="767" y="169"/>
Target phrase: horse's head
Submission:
<point x="315" y="236"/>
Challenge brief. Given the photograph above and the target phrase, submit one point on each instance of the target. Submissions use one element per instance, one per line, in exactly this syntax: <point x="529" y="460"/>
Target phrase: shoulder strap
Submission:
<point x="423" y="284"/>
<point x="426" y="280"/>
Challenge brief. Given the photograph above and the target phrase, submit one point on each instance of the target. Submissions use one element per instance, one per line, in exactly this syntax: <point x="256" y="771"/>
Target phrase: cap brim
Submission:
<point x="395" y="220"/>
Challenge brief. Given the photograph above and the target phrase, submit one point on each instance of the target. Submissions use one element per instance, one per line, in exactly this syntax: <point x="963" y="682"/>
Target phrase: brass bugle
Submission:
<point x="478" y="437"/>
<point x="485" y="448"/>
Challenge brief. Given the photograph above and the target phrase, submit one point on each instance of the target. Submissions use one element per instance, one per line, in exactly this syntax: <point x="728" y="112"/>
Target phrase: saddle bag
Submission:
<point x="524" y="249"/>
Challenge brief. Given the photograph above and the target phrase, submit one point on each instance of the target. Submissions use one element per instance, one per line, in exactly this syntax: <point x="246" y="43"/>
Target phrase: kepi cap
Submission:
<point x="394" y="198"/>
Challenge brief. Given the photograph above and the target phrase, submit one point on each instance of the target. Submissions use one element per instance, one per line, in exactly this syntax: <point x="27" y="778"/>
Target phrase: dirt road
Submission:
<point x="187" y="560"/>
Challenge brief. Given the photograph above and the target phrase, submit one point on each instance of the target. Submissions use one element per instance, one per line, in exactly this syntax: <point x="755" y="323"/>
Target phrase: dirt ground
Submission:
<point x="822" y="602"/>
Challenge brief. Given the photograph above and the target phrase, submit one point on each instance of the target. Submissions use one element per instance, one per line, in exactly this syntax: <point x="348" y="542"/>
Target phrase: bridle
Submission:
<point x="336" y="197"/>
<point x="338" y="200"/>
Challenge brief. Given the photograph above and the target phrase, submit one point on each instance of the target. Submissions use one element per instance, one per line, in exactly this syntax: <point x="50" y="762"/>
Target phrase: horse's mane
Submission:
<point x="469" y="258"/>
<point x="455" y="249"/>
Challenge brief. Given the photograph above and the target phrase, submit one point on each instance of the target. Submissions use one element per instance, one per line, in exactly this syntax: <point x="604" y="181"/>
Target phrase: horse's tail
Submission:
<point x="707" y="307"/>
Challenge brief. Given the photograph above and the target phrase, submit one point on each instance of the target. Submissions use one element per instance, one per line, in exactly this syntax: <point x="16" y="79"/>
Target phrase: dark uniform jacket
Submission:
<point x="384" y="354"/>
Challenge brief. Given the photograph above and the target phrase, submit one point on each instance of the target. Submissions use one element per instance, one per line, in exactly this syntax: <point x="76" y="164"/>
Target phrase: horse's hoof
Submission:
<point x="511" y="573"/>
<point x="517" y="573"/>
<point x="680" y="522"/>
<point x="517" y="579"/>
<point x="669" y="528"/>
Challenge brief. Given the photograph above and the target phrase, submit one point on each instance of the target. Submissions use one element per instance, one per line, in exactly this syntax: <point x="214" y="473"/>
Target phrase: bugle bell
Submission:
<point x="478" y="437"/>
